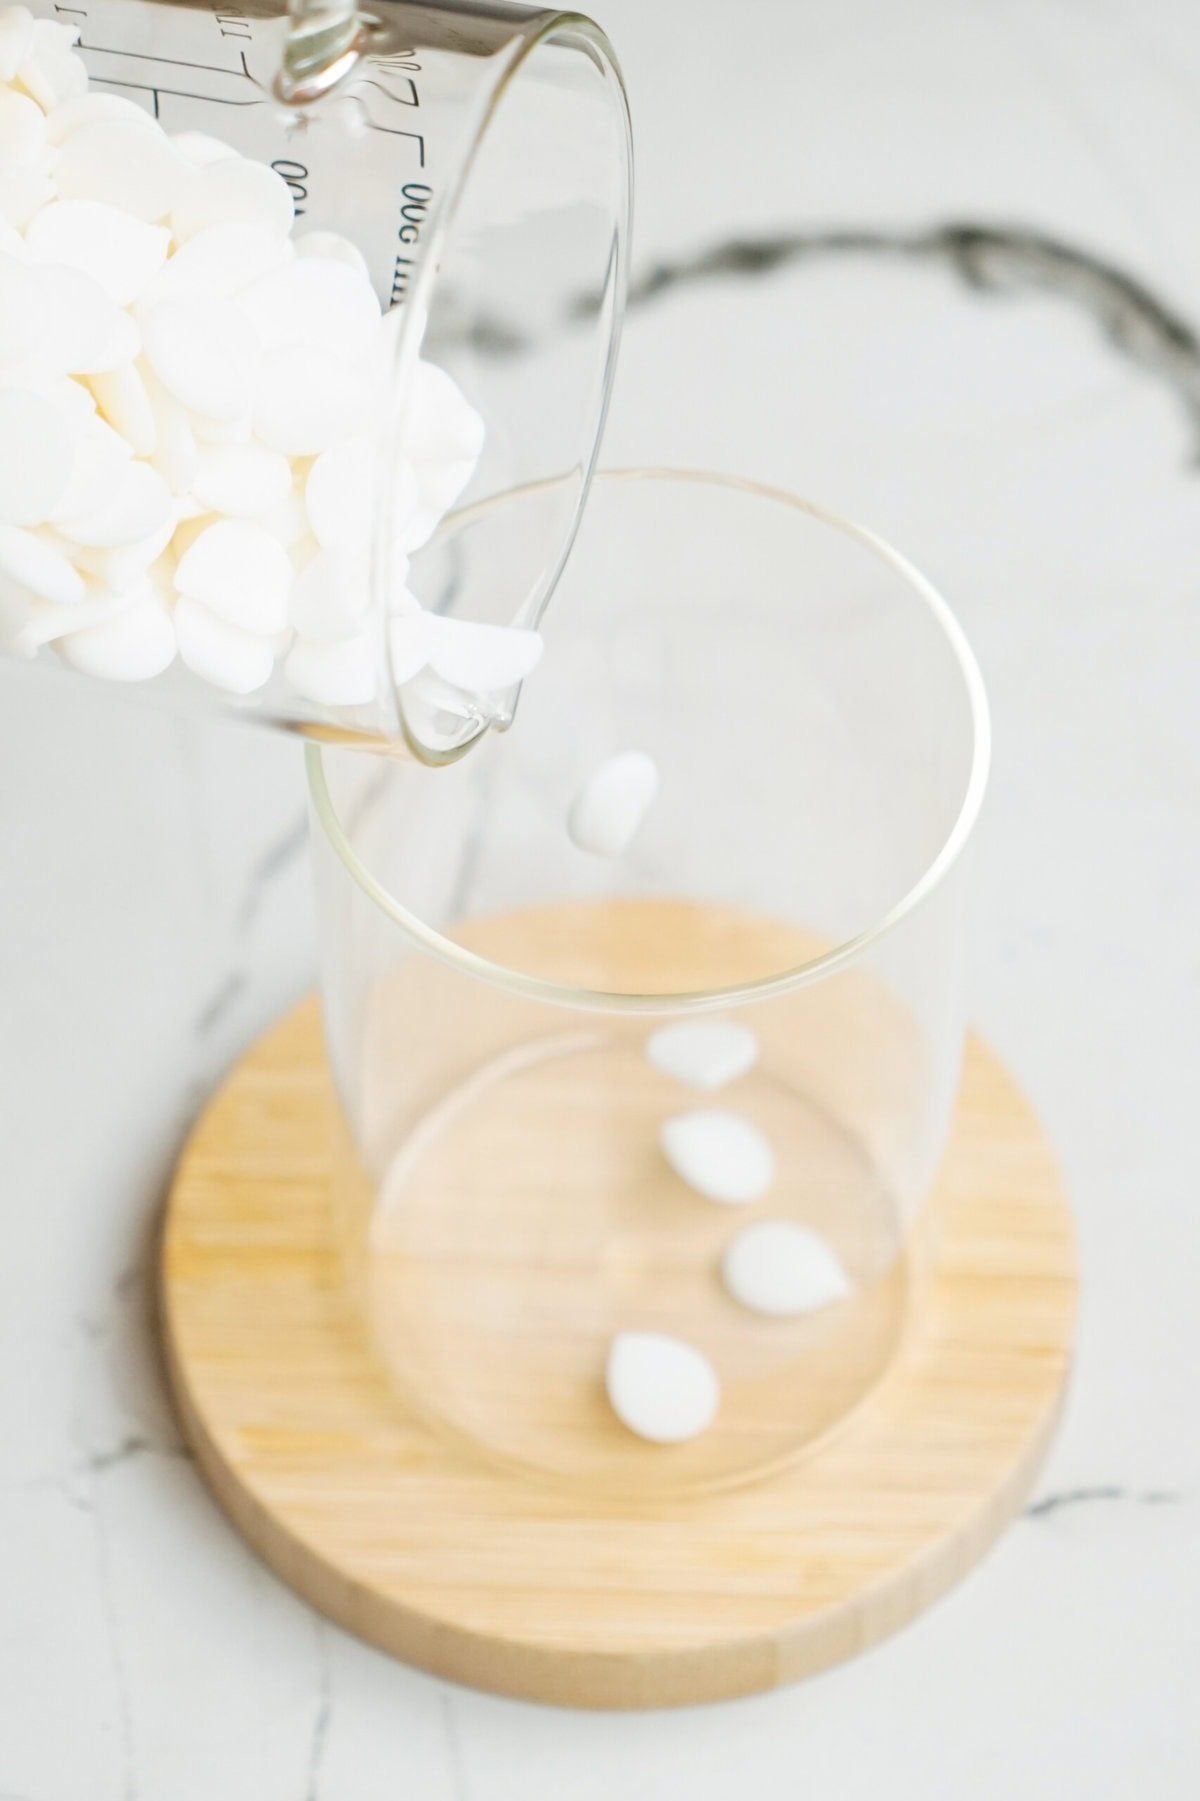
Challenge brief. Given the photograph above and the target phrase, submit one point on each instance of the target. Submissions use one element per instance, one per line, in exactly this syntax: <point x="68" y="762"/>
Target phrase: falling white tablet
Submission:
<point x="706" y="1054"/>
<point x="608" y="810"/>
<point x="784" y="1270"/>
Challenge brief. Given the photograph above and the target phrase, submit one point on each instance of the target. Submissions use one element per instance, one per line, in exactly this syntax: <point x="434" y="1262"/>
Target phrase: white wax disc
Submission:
<point x="401" y="598"/>
<point x="12" y="243"/>
<point x="47" y="623"/>
<point x="53" y="34"/>
<point x="236" y="661"/>
<point x="216" y="264"/>
<point x="331" y="244"/>
<point x="234" y="191"/>
<point x="123" y="164"/>
<point x="22" y="129"/>
<point x="140" y="506"/>
<point x="783" y="1269"/>
<point x="330" y="597"/>
<point x="101" y="458"/>
<point x="203" y="353"/>
<point x="660" y="1387"/>
<point x="120" y="567"/>
<point x="221" y="431"/>
<point x="412" y="523"/>
<point x="37" y="453"/>
<point x="33" y="563"/>
<point x="22" y="311"/>
<point x="314" y="301"/>
<point x="440" y="484"/>
<point x="122" y="398"/>
<point x="704" y="1053"/>
<point x="334" y="675"/>
<point x="89" y="109"/>
<point x="73" y="400"/>
<point x="135" y="645"/>
<point x="52" y="72"/>
<point x="86" y="332"/>
<point x="482" y="659"/>
<point x="289" y="523"/>
<point x="240" y="573"/>
<point x="608" y="810"/>
<point x="241" y="479"/>
<point x="200" y="150"/>
<point x="23" y="194"/>
<point x="408" y="646"/>
<point x="720" y="1154"/>
<point x="16" y="39"/>
<point x="120" y="252"/>
<point x="441" y="425"/>
<point x="176" y="454"/>
<point x="309" y="399"/>
<point x="339" y="495"/>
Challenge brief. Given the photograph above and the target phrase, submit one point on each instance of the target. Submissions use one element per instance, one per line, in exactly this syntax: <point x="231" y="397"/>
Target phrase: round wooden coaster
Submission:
<point x="487" y="1575"/>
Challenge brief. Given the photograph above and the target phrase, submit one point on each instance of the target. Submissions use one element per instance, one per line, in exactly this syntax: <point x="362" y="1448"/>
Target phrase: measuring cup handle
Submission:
<point x="325" y="42"/>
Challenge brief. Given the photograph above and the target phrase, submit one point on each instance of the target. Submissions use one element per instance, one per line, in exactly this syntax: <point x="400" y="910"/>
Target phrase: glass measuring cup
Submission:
<point x="494" y="994"/>
<point x="468" y="164"/>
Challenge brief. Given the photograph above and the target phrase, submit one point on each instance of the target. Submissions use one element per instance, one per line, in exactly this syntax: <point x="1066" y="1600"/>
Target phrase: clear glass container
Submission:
<point x="420" y="301"/>
<point x="491" y="989"/>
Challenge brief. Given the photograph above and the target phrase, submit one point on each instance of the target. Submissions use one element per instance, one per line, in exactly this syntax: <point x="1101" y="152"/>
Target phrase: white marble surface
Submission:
<point x="1034" y="444"/>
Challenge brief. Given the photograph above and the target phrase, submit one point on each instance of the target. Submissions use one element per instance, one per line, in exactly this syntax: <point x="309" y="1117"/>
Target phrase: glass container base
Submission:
<point x="529" y="1215"/>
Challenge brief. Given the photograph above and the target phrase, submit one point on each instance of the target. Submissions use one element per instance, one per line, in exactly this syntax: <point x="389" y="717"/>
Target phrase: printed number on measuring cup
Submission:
<point x="390" y="65"/>
<point x="417" y="195"/>
<point x="415" y="198"/>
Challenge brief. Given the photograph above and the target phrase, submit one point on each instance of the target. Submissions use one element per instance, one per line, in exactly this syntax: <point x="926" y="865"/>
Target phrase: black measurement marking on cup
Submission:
<point x="230" y="83"/>
<point x="399" y="71"/>
<point x="296" y="176"/>
<point x="400" y="99"/>
<point x="399" y="59"/>
<point x="415" y="197"/>
<point x="399" y="67"/>
<point x="232" y="22"/>
<point x="175" y="62"/>
<point x="146" y="62"/>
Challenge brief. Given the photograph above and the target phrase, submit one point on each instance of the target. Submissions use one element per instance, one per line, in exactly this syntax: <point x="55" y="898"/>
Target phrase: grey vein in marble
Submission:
<point x="991" y="257"/>
<point x="134" y="1444"/>
<point x="1009" y="259"/>
<point x="274" y="861"/>
<point x="131" y="1297"/>
<point x="1073" y="1497"/>
<point x="116" y="1656"/>
<point x="278" y="856"/>
<point x="454" y="1749"/>
<point x="323" y="1717"/>
<point x="224" y="996"/>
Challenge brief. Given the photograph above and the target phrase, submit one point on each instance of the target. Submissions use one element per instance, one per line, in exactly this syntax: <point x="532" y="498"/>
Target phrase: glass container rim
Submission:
<point x="829" y="962"/>
<point x="540" y="27"/>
